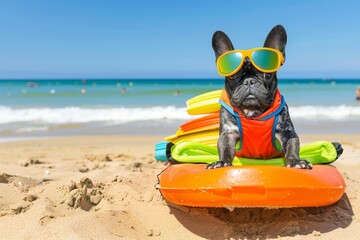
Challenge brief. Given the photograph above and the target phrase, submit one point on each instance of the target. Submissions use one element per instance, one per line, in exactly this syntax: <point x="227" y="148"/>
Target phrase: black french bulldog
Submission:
<point x="252" y="92"/>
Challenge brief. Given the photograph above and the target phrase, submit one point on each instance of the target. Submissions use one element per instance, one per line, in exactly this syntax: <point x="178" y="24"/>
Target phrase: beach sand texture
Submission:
<point x="103" y="188"/>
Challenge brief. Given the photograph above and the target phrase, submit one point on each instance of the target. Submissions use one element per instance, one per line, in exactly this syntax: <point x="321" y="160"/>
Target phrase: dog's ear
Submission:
<point x="221" y="43"/>
<point x="277" y="39"/>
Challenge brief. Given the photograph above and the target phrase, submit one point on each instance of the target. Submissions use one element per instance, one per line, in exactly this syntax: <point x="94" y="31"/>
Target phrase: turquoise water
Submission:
<point x="33" y="107"/>
<point x="155" y="92"/>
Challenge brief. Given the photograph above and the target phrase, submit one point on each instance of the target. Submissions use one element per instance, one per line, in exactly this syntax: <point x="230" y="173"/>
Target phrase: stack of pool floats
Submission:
<point x="249" y="182"/>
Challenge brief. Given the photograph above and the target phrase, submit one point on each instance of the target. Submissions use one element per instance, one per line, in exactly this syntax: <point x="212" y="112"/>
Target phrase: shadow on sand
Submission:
<point x="262" y="223"/>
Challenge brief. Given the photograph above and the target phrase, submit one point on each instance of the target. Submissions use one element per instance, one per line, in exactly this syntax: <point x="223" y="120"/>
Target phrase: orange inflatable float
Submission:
<point x="251" y="186"/>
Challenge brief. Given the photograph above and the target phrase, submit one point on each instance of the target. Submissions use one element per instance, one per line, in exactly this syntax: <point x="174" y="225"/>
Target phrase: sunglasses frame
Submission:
<point x="247" y="53"/>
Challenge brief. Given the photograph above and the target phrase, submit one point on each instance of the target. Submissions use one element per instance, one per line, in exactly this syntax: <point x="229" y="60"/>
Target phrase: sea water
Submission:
<point x="38" y="108"/>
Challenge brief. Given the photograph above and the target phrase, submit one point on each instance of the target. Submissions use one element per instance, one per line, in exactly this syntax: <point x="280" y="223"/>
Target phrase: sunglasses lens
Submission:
<point x="266" y="59"/>
<point x="228" y="63"/>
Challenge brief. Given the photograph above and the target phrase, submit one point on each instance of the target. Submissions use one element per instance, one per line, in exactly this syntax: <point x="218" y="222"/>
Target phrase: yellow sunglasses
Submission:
<point x="265" y="60"/>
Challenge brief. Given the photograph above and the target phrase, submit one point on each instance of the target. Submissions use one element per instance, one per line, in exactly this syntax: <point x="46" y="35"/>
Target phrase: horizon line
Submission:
<point x="165" y="78"/>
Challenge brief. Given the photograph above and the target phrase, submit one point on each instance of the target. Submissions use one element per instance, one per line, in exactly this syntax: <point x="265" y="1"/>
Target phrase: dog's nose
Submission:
<point x="249" y="82"/>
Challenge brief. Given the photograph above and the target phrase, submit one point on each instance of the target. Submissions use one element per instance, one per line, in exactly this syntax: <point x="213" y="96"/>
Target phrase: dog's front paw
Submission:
<point x="218" y="164"/>
<point x="303" y="164"/>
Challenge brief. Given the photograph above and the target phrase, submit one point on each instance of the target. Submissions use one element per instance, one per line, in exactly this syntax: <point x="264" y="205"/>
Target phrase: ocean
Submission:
<point x="47" y="108"/>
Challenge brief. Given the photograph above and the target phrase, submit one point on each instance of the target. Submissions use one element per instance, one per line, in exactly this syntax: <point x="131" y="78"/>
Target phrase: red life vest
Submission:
<point x="257" y="135"/>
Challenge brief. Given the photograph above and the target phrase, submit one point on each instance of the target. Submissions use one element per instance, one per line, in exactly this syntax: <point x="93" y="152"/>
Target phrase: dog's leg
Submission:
<point x="229" y="136"/>
<point x="292" y="155"/>
<point x="290" y="142"/>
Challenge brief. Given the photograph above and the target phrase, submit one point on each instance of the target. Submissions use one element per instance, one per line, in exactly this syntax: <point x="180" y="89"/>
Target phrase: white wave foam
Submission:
<point x="85" y="115"/>
<point x="341" y="112"/>
<point x="70" y="115"/>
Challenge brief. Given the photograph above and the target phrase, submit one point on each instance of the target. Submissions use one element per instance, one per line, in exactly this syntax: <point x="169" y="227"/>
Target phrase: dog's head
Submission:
<point x="250" y="90"/>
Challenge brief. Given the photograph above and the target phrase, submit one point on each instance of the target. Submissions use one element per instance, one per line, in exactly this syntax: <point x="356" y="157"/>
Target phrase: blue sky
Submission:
<point x="162" y="39"/>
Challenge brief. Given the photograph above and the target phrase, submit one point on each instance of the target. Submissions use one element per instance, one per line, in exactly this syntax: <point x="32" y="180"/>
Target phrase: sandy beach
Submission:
<point x="103" y="188"/>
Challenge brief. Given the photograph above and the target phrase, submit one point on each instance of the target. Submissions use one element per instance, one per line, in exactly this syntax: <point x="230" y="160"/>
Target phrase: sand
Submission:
<point x="103" y="188"/>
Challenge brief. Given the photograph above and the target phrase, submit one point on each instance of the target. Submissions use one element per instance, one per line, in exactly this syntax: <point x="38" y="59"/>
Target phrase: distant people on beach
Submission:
<point x="32" y="84"/>
<point x="83" y="90"/>
<point x="357" y="93"/>
<point x="177" y="93"/>
<point x="123" y="90"/>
